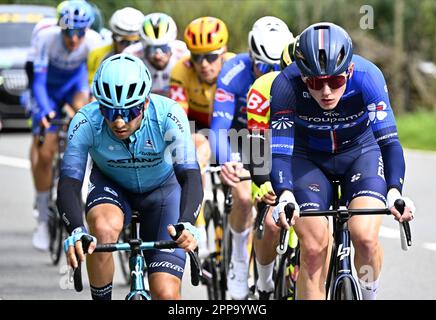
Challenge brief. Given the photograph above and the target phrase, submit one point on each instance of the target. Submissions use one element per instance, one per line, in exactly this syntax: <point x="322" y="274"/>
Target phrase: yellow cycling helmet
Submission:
<point x="288" y="54"/>
<point x="206" y="34"/>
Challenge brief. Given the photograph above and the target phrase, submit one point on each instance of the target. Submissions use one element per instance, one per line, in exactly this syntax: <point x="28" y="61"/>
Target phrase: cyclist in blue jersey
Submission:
<point x="59" y="77"/>
<point x="266" y="40"/>
<point x="331" y="120"/>
<point x="144" y="159"/>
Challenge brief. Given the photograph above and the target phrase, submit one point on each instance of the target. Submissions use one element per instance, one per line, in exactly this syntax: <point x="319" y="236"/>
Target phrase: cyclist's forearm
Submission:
<point x="191" y="195"/>
<point x="69" y="202"/>
<point x="39" y="88"/>
<point x="394" y="164"/>
<point x="281" y="173"/>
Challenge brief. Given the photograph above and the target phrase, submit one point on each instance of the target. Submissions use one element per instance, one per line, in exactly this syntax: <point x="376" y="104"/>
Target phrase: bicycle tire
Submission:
<point x="344" y="290"/>
<point x="56" y="235"/>
<point x="284" y="284"/>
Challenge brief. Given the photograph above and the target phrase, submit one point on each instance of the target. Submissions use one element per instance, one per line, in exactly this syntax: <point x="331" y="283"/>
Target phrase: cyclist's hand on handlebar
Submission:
<point x="230" y="173"/>
<point x="73" y="246"/>
<point x="278" y="213"/>
<point x="45" y="121"/>
<point x="185" y="235"/>
<point x="266" y="194"/>
<point x="409" y="209"/>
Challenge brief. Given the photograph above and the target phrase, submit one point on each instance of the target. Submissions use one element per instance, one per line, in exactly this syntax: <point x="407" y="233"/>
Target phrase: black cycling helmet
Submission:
<point x="323" y="49"/>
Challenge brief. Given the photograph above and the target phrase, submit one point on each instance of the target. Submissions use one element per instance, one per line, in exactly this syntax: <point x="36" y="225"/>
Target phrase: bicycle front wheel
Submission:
<point x="56" y="235"/>
<point x="344" y="290"/>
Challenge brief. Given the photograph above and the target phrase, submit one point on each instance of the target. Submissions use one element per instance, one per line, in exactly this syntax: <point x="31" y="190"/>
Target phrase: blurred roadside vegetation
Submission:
<point x="401" y="39"/>
<point x="417" y="130"/>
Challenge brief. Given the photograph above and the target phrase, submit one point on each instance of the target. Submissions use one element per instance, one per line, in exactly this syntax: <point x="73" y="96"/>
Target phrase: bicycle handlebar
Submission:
<point x="111" y="247"/>
<point x="405" y="233"/>
<point x="53" y="122"/>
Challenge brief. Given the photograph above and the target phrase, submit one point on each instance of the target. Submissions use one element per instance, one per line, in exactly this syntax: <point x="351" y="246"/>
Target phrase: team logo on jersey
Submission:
<point x="148" y="144"/>
<point x="110" y="190"/>
<point x="257" y="103"/>
<point x="377" y="112"/>
<point x="177" y="93"/>
<point x="314" y="187"/>
<point x="356" y="177"/>
<point x="282" y="123"/>
<point x="222" y="95"/>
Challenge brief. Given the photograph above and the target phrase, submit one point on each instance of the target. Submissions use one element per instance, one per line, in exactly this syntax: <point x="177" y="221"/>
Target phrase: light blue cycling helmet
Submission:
<point x="75" y="14"/>
<point x="122" y="81"/>
<point x="323" y="49"/>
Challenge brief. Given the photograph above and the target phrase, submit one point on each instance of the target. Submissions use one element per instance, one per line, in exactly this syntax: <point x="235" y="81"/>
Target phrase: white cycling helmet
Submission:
<point x="158" y="29"/>
<point x="267" y="39"/>
<point x="126" y="21"/>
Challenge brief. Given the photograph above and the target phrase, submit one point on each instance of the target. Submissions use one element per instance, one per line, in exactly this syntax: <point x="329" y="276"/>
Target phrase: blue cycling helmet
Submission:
<point x="75" y="14"/>
<point x="122" y="81"/>
<point x="323" y="49"/>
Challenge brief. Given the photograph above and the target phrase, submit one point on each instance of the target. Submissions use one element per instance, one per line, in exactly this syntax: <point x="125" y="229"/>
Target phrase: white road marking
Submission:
<point x="430" y="246"/>
<point x="389" y="233"/>
<point x="14" y="162"/>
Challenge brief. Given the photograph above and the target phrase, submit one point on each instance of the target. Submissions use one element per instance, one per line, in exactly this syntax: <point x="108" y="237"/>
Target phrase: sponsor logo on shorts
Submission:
<point x="110" y="190"/>
<point x="166" y="264"/>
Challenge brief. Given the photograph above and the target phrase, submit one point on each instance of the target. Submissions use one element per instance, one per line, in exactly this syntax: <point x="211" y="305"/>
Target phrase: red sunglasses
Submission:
<point x="334" y="82"/>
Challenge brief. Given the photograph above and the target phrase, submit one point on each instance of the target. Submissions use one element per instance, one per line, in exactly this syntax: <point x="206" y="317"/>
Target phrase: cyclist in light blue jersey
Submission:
<point x="331" y="119"/>
<point x="59" y="77"/>
<point x="144" y="159"/>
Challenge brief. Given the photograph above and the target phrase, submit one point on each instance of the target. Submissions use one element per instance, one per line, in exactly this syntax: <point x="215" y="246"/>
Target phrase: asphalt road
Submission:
<point x="28" y="274"/>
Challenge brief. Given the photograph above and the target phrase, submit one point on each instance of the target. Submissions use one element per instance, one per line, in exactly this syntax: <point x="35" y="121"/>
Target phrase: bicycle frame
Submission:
<point x="340" y="267"/>
<point x="136" y="260"/>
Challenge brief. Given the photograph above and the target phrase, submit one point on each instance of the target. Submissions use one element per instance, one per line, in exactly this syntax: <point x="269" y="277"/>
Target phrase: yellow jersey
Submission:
<point x="195" y="96"/>
<point x="96" y="57"/>
<point x="258" y="112"/>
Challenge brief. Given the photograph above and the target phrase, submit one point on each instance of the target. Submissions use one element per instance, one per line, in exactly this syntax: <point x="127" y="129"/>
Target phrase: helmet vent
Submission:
<point x="106" y="90"/>
<point x="340" y="57"/>
<point x="254" y="46"/>
<point x="97" y="88"/>
<point x="131" y="90"/>
<point x="142" y="89"/>
<point x="322" y="60"/>
<point x="118" y="90"/>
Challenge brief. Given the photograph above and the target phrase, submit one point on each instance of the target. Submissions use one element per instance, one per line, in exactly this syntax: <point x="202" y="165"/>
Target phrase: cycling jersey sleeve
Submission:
<point x="73" y="168"/>
<point x="39" y="88"/>
<point x="178" y="137"/>
<point x="80" y="139"/>
<point x="282" y="133"/>
<point x="224" y="105"/>
<point x="383" y="124"/>
<point x="182" y="151"/>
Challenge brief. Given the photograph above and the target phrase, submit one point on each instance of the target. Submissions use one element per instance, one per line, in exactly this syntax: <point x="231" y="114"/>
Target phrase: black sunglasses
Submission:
<point x="210" y="57"/>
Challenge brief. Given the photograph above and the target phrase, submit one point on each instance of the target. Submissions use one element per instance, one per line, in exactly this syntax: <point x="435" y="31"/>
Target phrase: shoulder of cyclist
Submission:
<point x="258" y="112"/>
<point x="95" y="58"/>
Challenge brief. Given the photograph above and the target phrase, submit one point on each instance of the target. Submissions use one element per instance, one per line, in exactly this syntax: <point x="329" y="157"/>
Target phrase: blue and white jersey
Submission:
<point x="362" y="119"/>
<point x="55" y="67"/>
<point x="230" y="102"/>
<point x="140" y="163"/>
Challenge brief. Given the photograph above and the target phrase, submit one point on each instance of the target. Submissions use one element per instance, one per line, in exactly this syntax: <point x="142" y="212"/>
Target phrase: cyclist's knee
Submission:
<point x="105" y="227"/>
<point x="313" y="255"/>
<point x="164" y="286"/>
<point x="203" y="149"/>
<point x="242" y="198"/>
<point x="366" y="245"/>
